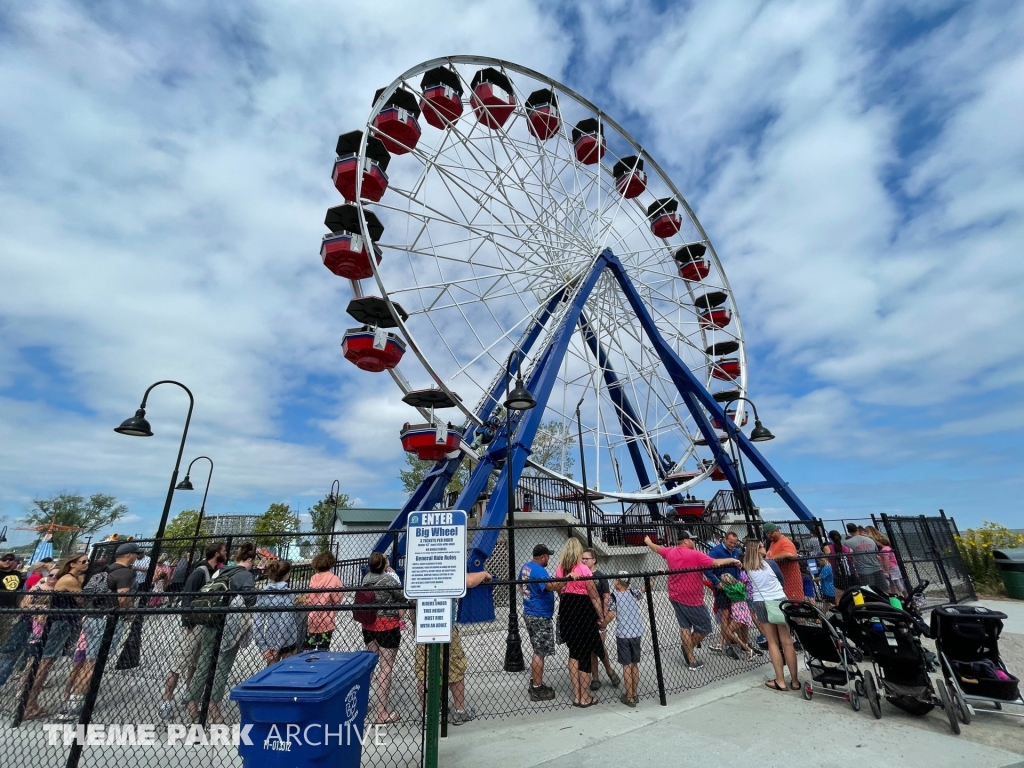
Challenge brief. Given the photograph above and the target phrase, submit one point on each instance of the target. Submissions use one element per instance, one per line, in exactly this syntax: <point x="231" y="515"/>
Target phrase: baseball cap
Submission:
<point x="623" y="576"/>
<point x="770" y="528"/>
<point x="684" y="534"/>
<point x="8" y="556"/>
<point x="129" y="548"/>
<point x="540" y="549"/>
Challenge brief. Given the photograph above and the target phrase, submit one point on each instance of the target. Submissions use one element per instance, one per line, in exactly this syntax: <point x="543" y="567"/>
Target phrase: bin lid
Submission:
<point x="313" y="676"/>
<point x="1015" y="554"/>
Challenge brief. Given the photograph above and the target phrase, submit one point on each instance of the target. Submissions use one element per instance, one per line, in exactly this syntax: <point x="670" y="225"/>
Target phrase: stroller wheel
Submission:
<point x="858" y="686"/>
<point x="947" y="705"/>
<point x="871" y="692"/>
<point x="855" y="702"/>
<point x="998" y="705"/>
<point x="808" y="691"/>
<point x="963" y="711"/>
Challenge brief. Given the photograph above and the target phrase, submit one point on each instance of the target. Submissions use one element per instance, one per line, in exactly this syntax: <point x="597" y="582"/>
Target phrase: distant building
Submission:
<point x="230" y="525"/>
<point x="361" y="519"/>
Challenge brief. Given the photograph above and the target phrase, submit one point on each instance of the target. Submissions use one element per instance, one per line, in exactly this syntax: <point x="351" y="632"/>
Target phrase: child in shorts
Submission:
<point x="624" y="607"/>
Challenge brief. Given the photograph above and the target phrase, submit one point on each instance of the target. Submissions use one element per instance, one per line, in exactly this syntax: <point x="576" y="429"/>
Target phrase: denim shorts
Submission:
<point x="692" y="617"/>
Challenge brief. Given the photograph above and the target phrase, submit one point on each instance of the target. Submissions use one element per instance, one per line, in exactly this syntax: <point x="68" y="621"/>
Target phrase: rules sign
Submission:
<point x="435" y="555"/>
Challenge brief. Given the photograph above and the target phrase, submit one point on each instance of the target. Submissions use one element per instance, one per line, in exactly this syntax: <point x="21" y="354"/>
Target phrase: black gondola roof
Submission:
<point x="345" y="218"/>
<point x="722" y="348"/>
<point x="661" y="206"/>
<point x="726" y="395"/>
<point x="373" y="310"/>
<point x="542" y="97"/>
<point x="627" y="164"/>
<point x="441" y="76"/>
<point x="584" y="127"/>
<point x="691" y="252"/>
<point x="348" y="144"/>
<point x="430" y="398"/>
<point x="400" y="98"/>
<point x="711" y="299"/>
<point x="494" y="77"/>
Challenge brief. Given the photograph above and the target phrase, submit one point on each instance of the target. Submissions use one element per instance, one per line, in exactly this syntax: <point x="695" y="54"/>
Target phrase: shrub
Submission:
<point x="976" y="545"/>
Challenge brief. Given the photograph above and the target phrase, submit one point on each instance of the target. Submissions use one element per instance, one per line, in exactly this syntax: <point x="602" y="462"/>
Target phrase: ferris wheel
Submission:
<point x="522" y="223"/>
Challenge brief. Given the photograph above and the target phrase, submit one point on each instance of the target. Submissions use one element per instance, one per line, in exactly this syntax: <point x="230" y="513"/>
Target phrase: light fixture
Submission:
<point x="520" y="398"/>
<point x="184" y="485"/>
<point x="137" y="426"/>
<point x="760" y="433"/>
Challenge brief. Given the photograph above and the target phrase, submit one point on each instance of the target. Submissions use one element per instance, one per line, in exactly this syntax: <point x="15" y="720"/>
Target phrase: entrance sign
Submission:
<point x="435" y="555"/>
<point x="434" y="619"/>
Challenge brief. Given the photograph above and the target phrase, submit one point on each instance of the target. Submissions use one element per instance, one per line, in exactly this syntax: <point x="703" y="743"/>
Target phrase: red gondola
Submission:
<point x="588" y="141"/>
<point x="397" y="123"/>
<point x="717" y="474"/>
<point x="719" y="317"/>
<point x="726" y="369"/>
<point x="429" y="442"/>
<point x="732" y="417"/>
<point x="493" y="98"/>
<point x="693" y="267"/>
<point x="542" y="115"/>
<point x="373" y="351"/>
<point x="375" y="178"/>
<point x="630" y="179"/>
<point x="344" y="251"/>
<point x="692" y="508"/>
<point x="442" y="97"/>
<point x="664" y="217"/>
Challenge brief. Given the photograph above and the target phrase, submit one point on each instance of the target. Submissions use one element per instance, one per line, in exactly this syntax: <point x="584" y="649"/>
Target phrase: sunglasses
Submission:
<point x="51" y="575"/>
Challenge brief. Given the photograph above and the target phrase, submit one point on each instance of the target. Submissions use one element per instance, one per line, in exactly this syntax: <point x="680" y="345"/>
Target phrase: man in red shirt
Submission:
<point x="783" y="552"/>
<point x="686" y="591"/>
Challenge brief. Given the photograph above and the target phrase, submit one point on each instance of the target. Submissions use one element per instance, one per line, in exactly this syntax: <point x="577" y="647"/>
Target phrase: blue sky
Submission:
<point x="164" y="171"/>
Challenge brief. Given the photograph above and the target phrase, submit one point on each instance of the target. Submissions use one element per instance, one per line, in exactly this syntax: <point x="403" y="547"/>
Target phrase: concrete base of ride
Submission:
<point x="742" y="722"/>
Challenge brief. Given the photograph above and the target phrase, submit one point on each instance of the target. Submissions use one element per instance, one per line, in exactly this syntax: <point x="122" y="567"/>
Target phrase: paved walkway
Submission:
<point x="742" y="721"/>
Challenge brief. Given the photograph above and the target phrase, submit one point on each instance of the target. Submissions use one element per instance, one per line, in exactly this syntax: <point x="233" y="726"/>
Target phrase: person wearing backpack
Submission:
<point x="187" y="653"/>
<point x="277" y="631"/>
<point x="382" y="629"/>
<point x="108" y="590"/>
<point x="237" y="584"/>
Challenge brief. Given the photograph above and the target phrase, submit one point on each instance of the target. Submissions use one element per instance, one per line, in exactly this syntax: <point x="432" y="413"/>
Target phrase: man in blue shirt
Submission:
<point x="728" y="547"/>
<point x="538" y="610"/>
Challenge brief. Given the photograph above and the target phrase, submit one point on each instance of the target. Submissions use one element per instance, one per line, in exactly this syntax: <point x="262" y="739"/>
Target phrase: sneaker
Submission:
<point x="546" y="687"/>
<point x="694" y="665"/>
<point x="595" y="684"/>
<point x="460" y="716"/>
<point x="614" y="678"/>
<point x="716" y="649"/>
<point x="166" y="709"/>
<point x="731" y="653"/>
<point x="539" y="693"/>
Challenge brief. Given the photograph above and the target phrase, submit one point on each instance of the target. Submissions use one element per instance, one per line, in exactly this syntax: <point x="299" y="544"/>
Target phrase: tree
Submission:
<point x="322" y="517"/>
<point x="417" y="469"/>
<point x="183" y="526"/>
<point x="278" y="519"/>
<point x="71" y="509"/>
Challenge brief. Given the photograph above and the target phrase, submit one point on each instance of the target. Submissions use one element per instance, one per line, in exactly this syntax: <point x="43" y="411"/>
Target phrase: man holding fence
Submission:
<point x="686" y="591"/>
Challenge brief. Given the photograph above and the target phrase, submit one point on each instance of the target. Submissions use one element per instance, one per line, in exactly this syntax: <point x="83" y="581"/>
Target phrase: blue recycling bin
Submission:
<point x="306" y="709"/>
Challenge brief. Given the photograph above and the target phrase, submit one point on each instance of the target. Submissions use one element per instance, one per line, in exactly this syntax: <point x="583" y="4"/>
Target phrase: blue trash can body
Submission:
<point x="306" y="709"/>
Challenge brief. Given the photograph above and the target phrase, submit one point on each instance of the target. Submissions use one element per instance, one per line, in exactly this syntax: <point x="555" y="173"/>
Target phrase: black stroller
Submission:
<point x="892" y="638"/>
<point x="967" y="641"/>
<point x="826" y="653"/>
<point x="844" y="621"/>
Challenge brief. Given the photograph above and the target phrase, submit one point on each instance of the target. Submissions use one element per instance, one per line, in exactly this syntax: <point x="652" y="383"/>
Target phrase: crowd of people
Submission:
<point x="739" y="588"/>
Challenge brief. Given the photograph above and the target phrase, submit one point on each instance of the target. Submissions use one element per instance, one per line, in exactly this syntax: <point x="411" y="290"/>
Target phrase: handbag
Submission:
<point x="772" y="608"/>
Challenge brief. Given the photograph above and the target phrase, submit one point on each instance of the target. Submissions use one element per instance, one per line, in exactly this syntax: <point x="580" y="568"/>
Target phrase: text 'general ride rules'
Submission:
<point x="435" y="563"/>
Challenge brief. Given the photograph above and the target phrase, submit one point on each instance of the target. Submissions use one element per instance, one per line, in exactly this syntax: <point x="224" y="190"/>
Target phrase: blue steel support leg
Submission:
<point x="700" y="400"/>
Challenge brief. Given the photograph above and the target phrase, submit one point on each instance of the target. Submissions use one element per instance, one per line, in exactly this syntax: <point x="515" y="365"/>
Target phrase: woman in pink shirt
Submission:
<point x="320" y="625"/>
<point x="580" y="619"/>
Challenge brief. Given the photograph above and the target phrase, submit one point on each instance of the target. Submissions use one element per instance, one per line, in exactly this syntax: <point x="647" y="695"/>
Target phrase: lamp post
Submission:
<point x="519" y="399"/>
<point x="758" y="434"/>
<point x="137" y="426"/>
<point x="583" y="469"/>
<point x="332" y="498"/>
<point x="186" y="485"/>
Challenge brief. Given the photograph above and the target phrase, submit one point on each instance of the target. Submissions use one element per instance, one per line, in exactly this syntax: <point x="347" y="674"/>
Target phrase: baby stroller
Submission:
<point x="826" y="653"/>
<point x="892" y="638"/>
<point x="844" y="621"/>
<point x="967" y="641"/>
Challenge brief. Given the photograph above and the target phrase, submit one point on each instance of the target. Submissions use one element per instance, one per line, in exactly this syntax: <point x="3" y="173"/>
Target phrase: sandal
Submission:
<point x="591" y="703"/>
<point x="771" y="685"/>
<point x="390" y="719"/>
<point x="794" y="685"/>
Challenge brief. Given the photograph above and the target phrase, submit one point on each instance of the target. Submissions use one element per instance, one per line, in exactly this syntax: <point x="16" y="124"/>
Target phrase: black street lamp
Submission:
<point x="137" y="426"/>
<point x="186" y="485"/>
<point x="332" y="498"/>
<point x="758" y="434"/>
<point x="583" y="469"/>
<point x="519" y="399"/>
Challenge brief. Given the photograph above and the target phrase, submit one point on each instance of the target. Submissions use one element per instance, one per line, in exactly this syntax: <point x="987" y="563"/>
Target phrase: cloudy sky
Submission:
<point x="164" y="168"/>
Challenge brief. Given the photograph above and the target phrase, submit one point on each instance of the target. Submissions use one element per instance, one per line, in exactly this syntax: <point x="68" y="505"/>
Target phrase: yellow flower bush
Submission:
<point x="976" y="545"/>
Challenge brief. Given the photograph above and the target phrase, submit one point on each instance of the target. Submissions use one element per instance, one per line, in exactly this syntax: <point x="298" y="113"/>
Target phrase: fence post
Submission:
<point x="654" y="642"/>
<point x="85" y="716"/>
<point x="938" y="560"/>
<point x="34" y="659"/>
<point x="445" y="661"/>
<point x="218" y="635"/>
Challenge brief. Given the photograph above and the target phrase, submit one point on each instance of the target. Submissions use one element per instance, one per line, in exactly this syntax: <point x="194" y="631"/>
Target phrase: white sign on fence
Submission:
<point x="434" y="620"/>
<point x="435" y="555"/>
